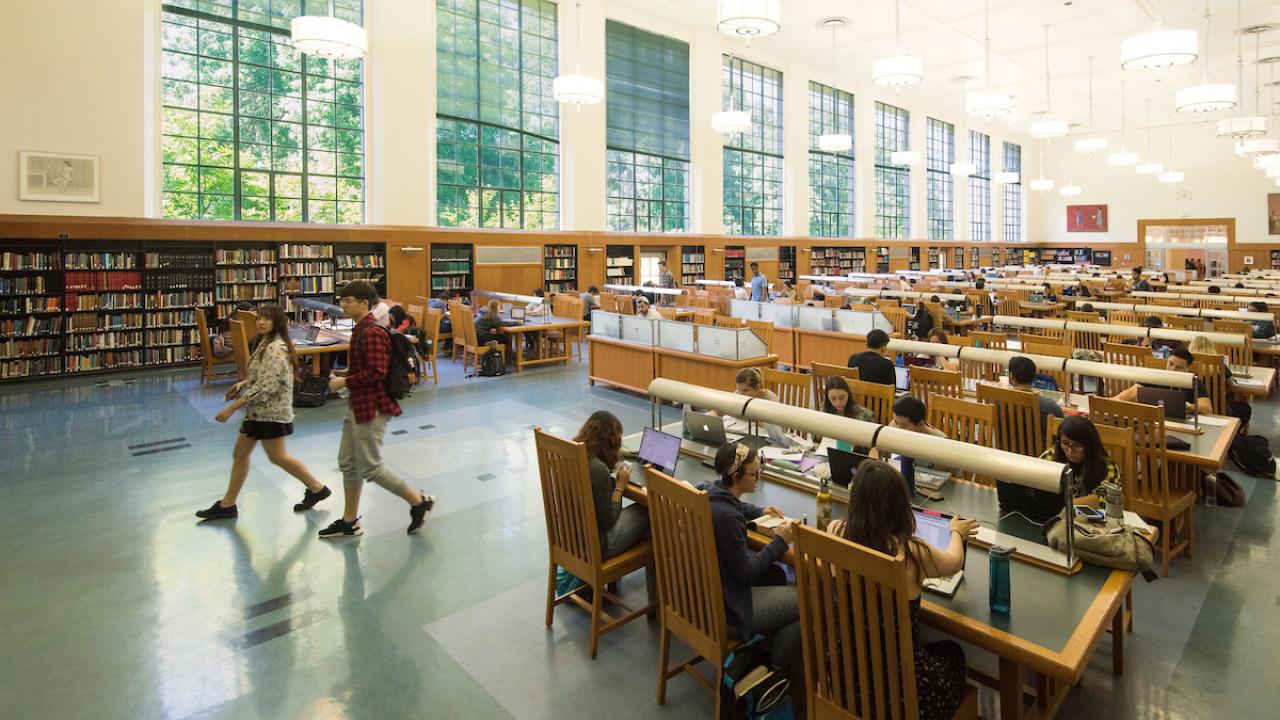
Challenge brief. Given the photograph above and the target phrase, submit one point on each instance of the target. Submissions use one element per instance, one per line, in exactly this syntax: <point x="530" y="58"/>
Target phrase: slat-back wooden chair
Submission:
<point x="876" y="397"/>
<point x="1123" y="317"/>
<point x="431" y="318"/>
<point x="1121" y="354"/>
<point x="1237" y="355"/>
<point x="926" y="382"/>
<point x="1182" y="322"/>
<point x="792" y="388"/>
<point x="1052" y="349"/>
<point x="935" y="312"/>
<point x="833" y="301"/>
<point x="1008" y="303"/>
<point x="608" y="302"/>
<point x="690" y="599"/>
<point x="897" y="317"/>
<point x="1151" y="494"/>
<point x="856" y="635"/>
<point x="1212" y="369"/>
<point x="966" y="421"/>
<point x="573" y="537"/>
<point x="1024" y="338"/>
<point x="989" y="340"/>
<point x="728" y="321"/>
<point x="819" y="372"/>
<point x="464" y="327"/>
<point x="240" y="348"/>
<point x="626" y="304"/>
<point x="704" y="316"/>
<point x="208" y="362"/>
<point x="763" y="330"/>
<point x="1018" y="426"/>
<point x="1082" y="316"/>
<point x="1116" y="441"/>
<point x="417" y="313"/>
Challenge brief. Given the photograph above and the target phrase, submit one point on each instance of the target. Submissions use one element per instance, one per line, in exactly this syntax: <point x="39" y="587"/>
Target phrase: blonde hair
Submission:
<point x="1202" y="345"/>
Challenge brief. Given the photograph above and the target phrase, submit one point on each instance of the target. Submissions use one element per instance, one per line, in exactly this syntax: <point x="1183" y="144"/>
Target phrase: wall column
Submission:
<point x="583" y="130"/>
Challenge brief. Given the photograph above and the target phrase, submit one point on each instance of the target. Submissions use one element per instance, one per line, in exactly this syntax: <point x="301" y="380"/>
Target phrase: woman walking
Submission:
<point x="266" y="394"/>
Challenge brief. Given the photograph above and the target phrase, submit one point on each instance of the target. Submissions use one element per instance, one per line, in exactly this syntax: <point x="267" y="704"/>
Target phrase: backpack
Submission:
<point x="1230" y="494"/>
<point x="312" y="391"/>
<point x="491" y="365"/>
<point x="1252" y="454"/>
<point x="750" y="690"/>
<point x="402" y="371"/>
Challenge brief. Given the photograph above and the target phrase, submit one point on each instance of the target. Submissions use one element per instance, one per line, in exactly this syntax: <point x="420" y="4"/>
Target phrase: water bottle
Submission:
<point x="824" y="505"/>
<point x="1000" y="590"/>
<point x="909" y="473"/>
<point x="1210" y="490"/>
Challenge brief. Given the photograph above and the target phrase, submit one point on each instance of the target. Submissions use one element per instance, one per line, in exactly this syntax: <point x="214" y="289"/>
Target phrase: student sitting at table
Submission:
<point x="1262" y="329"/>
<point x="1180" y="360"/>
<point x="1202" y="345"/>
<point x="1077" y="444"/>
<point x="619" y="527"/>
<point x="837" y="399"/>
<point x="1214" y="290"/>
<point x="401" y="321"/>
<point x="740" y="291"/>
<point x="220" y="336"/>
<point x="921" y="322"/>
<point x="756" y="597"/>
<point x="1022" y="376"/>
<point x="872" y="364"/>
<point x="909" y="414"/>
<point x="590" y="301"/>
<point x="489" y="323"/>
<point x="645" y="310"/>
<point x="1140" y="283"/>
<point x="786" y="293"/>
<point x="536" y="307"/>
<point x="880" y="518"/>
<point x="938" y="335"/>
<point x="1115" y="283"/>
<point x="1153" y="322"/>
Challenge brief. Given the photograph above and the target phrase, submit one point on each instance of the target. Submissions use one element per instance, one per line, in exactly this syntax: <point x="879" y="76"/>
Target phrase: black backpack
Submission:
<point x="402" y="372"/>
<point x="1252" y="454"/>
<point x="749" y="689"/>
<point x="491" y="365"/>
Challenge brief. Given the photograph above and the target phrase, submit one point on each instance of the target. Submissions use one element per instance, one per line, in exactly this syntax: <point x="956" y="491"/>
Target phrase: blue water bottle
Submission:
<point x="1001" y="592"/>
<point x="909" y="474"/>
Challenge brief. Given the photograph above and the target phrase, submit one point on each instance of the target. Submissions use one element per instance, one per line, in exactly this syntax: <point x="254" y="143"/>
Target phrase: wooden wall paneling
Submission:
<point x="704" y="370"/>
<point x="519" y="279"/>
<point x="591" y="264"/>
<point x="824" y="346"/>
<point x="715" y="259"/>
<point x="621" y="364"/>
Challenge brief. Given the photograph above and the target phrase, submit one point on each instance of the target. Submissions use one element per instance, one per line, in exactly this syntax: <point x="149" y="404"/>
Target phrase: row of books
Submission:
<point x="181" y="353"/>
<point x="173" y="336"/>
<point x="172" y="318"/>
<point x="105" y="340"/>
<point x="560" y="275"/>
<point x="560" y="263"/>
<point x="244" y="257"/>
<point x="30" y="261"/>
<point x="79" y="280"/>
<point x="450" y="266"/>
<point x="245" y="292"/>
<point x="179" y="260"/>
<point x="14" y="349"/>
<point x="368" y="260"/>
<point x="319" y="267"/>
<point x="291" y="250"/>
<point x="30" y="368"/>
<point x="101" y="261"/>
<point x="26" y="305"/>
<point x="448" y="282"/>
<point x="30" y="285"/>
<point x="262" y="273"/>
<point x="104" y="301"/>
<point x="180" y="299"/>
<point x="31" y="326"/>
<point x="104" y="360"/>
<point x="99" y="322"/>
<point x="178" y="281"/>
<point x="313" y="285"/>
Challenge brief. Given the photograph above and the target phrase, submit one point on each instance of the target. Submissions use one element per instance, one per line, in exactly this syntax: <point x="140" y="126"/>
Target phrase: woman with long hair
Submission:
<point x="880" y="518"/>
<point x="939" y="336"/>
<point x="837" y="399"/>
<point x="1078" y="445"/>
<point x="266" y="394"/>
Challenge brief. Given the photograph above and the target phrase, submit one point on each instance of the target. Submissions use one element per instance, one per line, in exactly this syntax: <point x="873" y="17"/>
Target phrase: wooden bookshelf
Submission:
<point x="693" y="265"/>
<point x="837" y="260"/>
<point x="306" y="270"/>
<point x="560" y="268"/>
<point x="735" y="262"/>
<point x="451" y="268"/>
<point x="179" y="282"/>
<point x="787" y="264"/>
<point x="1275" y="259"/>
<point x="31" y="339"/>
<point x="362" y="261"/>
<point x="620" y="264"/>
<point x="104" y="301"/>
<point x="245" y="273"/>
<point x="882" y="259"/>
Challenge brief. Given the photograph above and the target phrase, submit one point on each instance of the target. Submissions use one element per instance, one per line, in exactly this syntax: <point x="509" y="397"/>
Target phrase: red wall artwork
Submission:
<point x="1086" y="218"/>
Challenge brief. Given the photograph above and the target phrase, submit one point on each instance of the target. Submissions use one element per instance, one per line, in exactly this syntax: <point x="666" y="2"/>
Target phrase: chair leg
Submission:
<point x="1165" y="542"/>
<point x="596" y="594"/>
<point x="664" y="649"/>
<point x="551" y="593"/>
<point x="1191" y="530"/>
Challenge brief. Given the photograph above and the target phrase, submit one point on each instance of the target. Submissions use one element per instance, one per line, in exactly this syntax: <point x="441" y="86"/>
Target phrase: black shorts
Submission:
<point x="261" y="430"/>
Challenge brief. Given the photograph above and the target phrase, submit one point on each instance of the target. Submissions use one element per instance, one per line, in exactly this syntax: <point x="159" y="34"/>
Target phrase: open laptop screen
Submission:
<point x="659" y="449"/>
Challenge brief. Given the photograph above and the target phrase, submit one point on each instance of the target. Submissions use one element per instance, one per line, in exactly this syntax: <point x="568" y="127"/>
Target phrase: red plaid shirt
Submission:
<point x="367" y="364"/>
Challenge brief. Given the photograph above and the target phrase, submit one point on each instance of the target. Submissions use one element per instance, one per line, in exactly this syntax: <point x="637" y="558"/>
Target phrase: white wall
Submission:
<point x="1218" y="184"/>
<point x="90" y="85"/>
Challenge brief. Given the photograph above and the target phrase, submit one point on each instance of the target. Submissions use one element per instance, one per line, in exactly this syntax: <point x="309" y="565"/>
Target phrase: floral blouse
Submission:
<point x="1111" y="475"/>
<point x="268" y="390"/>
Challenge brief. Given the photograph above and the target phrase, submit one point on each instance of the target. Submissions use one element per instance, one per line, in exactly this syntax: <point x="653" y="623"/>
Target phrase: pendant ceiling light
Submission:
<point x="1244" y="126"/>
<point x="1272" y="173"/>
<point x="1091" y="144"/>
<point x="1150" y="167"/>
<point x="1048" y="129"/>
<point x="987" y="104"/>
<point x="897" y="70"/>
<point x="904" y="157"/>
<point x="577" y="89"/>
<point x="1042" y="183"/>
<point x="1253" y="147"/>
<point x="837" y="141"/>
<point x="730" y="120"/>
<point x="1070" y="189"/>
<point x="1207" y="96"/>
<point x="1267" y="162"/>
<point x="1124" y="158"/>
<point x="749" y="18"/>
<point x="1170" y="176"/>
<point x="1159" y="48"/>
<point x="1006" y="177"/>
<point x="328" y="36"/>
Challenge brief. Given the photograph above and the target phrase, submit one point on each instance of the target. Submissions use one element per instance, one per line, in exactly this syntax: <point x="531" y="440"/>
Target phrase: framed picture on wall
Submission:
<point x="1102" y="257"/>
<point x="1086" y="218"/>
<point x="1273" y="213"/>
<point x="57" y="177"/>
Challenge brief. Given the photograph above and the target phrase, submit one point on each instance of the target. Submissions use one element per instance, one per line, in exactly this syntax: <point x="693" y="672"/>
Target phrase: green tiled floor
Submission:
<point x="117" y="604"/>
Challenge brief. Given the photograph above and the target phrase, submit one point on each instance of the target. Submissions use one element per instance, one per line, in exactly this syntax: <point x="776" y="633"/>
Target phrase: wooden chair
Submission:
<point x="820" y="371"/>
<point x="431" y="318"/>
<point x="1182" y="322"/>
<point x="833" y="301"/>
<point x="989" y="340"/>
<point x="625" y="304"/>
<point x="856" y="635"/>
<point x="690" y="600"/>
<point x="464" y="326"/>
<point x="1121" y="354"/>
<point x="966" y="421"/>
<point x="704" y="316"/>
<point x="1123" y="317"/>
<point x="1024" y="338"/>
<point x="1082" y="316"/>
<point x="1237" y="355"/>
<point x="792" y="388"/>
<point x="926" y="382"/>
<point x="417" y="312"/>
<point x="763" y="330"/>
<point x="573" y="537"/>
<point x="1117" y="441"/>
<point x="1151" y="494"/>
<point x="1052" y="349"/>
<point x="876" y="397"/>
<point x="240" y="349"/>
<point x="1018" y="426"/>
<point x="608" y="302"/>
<point x="208" y="362"/>
<point x="897" y="317"/>
<point x="1212" y="369"/>
<point x="727" y="321"/>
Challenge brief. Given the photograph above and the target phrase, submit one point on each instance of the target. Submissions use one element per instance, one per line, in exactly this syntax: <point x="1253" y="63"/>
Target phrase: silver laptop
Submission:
<point x="1174" y="402"/>
<point x="709" y="430"/>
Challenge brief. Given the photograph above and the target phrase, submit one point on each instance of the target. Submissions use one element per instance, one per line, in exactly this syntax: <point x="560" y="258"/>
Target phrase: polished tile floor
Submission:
<point x="116" y="604"/>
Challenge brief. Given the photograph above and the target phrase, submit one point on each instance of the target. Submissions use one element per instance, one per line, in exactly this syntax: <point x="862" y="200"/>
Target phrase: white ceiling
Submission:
<point x="948" y="34"/>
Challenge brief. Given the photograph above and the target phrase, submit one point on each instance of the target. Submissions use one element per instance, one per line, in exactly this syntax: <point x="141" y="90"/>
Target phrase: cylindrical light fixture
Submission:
<point x="1152" y="168"/>
<point x="1070" y="190"/>
<point x="731" y="121"/>
<point x="987" y="105"/>
<point x="1242" y="127"/>
<point x="897" y="71"/>
<point x="1091" y="145"/>
<point x="1048" y="129"/>
<point x="962" y="169"/>
<point x="1253" y="147"/>
<point x="1266" y="162"/>
<point x="1123" y="158"/>
<point x="1041" y="184"/>
<point x="1159" y="49"/>
<point x="1006" y="177"/>
<point x="1210" y="97"/>
<point x="836" y="142"/>
<point x="577" y="89"/>
<point x="328" y="37"/>
<point x="904" y="157"/>
<point x="749" y="18"/>
<point x="1273" y="173"/>
<point x="1170" y="177"/>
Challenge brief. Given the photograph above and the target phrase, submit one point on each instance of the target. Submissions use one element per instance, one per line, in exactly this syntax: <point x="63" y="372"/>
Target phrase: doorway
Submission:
<point x="1195" y="245"/>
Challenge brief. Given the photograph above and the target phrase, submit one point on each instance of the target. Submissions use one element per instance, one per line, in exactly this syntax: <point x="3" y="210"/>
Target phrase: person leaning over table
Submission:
<point x="1078" y="445"/>
<point x="880" y="518"/>
<point x="1180" y="360"/>
<point x="837" y="399"/>
<point x="1022" y="376"/>
<point x="909" y="414"/>
<point x="620" y="528"/>
<point x="590" y="301"/>
<point x="1262" y="329"/>
<point x="756" y="597"/>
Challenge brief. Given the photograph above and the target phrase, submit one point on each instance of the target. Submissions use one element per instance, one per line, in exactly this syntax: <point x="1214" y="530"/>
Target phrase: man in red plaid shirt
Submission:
<point x="369" y="407"/>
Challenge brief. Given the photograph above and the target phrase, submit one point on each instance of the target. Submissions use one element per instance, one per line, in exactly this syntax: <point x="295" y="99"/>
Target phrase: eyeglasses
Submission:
<point x="1070" y="446"/>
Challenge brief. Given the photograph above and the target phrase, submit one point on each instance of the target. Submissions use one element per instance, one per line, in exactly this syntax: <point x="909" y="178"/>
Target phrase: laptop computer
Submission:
<point x="902" y="381"/>
<point x="517" y="314"/>
<point x="1173" y="401"/>
<point x="1034" y="504"/>
<point x="934" y="528"/>
<point x="304" y="335"/>
<point x="709" y="429"/>
<point x="1037" y="297"/>
<point x="659" y="450"/>
<point x="843" y="465"/>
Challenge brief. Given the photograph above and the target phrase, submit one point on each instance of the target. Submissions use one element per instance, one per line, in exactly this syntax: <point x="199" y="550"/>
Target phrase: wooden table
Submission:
<point x="542" y="325"/>
<point x="1259" y="384"/>
<point x="1040" y="309"/>
<point x="633" y="366"/>
<point x="961" y="326"/>
<point x="675" y="313"/>
<point x="825" y="346"/>
<point x="319" y="354"/>
<point x="1057" y="621"/>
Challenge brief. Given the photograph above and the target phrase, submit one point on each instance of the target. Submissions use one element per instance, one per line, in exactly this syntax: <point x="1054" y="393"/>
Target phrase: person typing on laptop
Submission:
<point x="880" y="518"/>
<point x="872" y="364"/>
<point x="1078" y="445"/>
<point x="1180" y="360"/>
<point x="909" y="414"/>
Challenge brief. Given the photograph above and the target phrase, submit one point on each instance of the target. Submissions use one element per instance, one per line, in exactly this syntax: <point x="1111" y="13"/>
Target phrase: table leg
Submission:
<point x="1011" y="707"/>
<point x="1117" y="641"/>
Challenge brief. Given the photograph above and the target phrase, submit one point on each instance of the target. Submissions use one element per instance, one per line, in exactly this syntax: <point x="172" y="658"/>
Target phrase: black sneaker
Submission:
<point x="342" y="528"/>
<point x="217" y="512"/>
<point x="419" y="513"/>
<point x="309" y="499"/>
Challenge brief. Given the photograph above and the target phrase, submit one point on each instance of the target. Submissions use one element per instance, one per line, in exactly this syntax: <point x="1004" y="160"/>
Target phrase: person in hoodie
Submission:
<point x="751" y="605"/>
